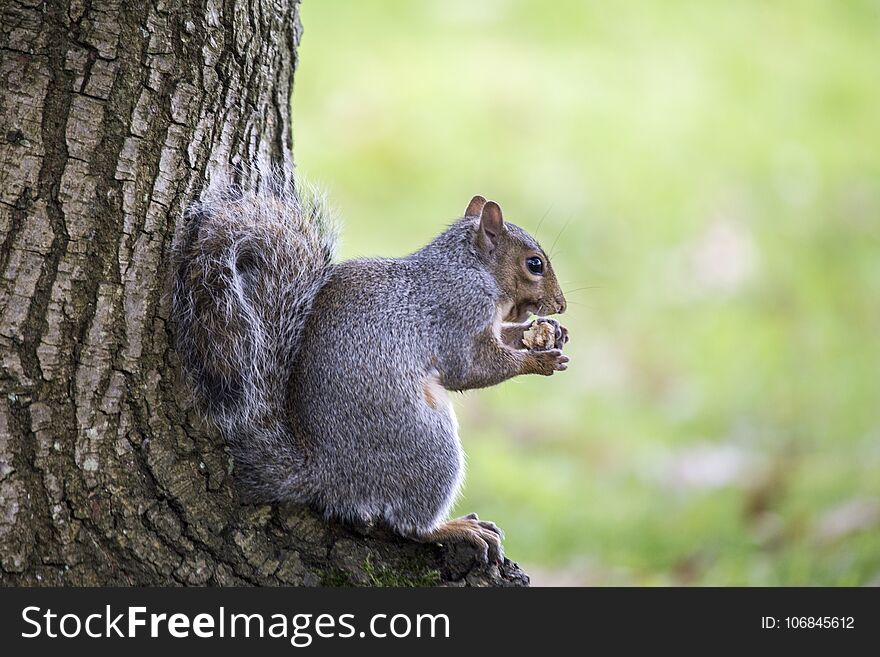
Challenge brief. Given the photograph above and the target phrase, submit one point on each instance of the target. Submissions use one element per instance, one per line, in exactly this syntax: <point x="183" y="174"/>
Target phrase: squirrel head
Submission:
<point x="518" y="263"/>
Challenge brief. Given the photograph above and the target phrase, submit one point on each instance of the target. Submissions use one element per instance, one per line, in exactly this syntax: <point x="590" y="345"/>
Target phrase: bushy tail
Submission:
<point x="246" y="268"/>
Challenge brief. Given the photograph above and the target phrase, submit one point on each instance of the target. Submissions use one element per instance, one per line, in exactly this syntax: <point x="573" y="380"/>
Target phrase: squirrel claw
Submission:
<point x="483" y="535"/>
<point x="550" y="361"/>
<point x="486" y="536"/>
<point x="485" y="524"/>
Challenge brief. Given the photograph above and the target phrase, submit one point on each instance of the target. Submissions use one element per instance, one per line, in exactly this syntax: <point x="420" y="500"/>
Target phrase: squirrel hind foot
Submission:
<point x="483" y="535"/>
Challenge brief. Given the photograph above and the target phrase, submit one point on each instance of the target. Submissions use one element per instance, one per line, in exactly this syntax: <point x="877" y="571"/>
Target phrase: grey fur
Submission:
<point x="390" y="325"/>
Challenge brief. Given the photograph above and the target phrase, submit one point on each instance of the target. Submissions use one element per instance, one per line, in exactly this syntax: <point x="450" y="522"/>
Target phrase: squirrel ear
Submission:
<point x="475" y="206"/>
<point x="491" y="225"/>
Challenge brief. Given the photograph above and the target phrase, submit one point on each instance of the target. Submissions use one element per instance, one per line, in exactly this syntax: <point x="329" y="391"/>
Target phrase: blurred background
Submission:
<point x="706" y="177"/>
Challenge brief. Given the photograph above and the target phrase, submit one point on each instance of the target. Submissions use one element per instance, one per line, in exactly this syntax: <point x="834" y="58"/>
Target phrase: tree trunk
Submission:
<point x="115" y="115"/>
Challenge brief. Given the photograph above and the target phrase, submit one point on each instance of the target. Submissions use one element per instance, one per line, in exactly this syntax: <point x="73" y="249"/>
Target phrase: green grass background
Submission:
<point x="707" y="174"/>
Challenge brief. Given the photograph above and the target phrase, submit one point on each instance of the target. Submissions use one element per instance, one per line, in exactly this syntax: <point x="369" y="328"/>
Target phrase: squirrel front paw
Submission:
<point x="560" y="333"/>
<point x="544" y="333"/>
<point x="547" y="362"/>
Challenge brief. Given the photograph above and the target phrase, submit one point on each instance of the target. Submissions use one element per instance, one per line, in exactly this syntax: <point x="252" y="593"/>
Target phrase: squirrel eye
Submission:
<point x="535" y="265"/>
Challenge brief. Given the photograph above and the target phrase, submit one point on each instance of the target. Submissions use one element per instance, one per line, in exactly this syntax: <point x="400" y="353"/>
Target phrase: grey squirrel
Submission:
<point x="329" y="380"/>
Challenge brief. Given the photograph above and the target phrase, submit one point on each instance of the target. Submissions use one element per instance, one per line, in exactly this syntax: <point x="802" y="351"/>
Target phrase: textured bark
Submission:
<point x="114" y="116"/>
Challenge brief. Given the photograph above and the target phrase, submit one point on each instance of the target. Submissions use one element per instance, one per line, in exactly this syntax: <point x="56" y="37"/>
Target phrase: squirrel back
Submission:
<point x="246" y="268"/>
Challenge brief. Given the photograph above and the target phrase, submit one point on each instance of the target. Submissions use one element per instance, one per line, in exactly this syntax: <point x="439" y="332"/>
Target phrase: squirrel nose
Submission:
<point x="561" y="305"/>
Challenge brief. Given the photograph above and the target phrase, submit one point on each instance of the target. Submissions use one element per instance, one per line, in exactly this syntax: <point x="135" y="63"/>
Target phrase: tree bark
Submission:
<point x="115" y="115"/>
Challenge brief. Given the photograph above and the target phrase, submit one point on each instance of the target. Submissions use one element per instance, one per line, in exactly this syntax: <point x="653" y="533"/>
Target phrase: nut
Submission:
<point x="539" y="336"/>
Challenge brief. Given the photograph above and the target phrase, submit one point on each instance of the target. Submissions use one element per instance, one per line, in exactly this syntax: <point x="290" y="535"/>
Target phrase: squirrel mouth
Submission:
<point x="521" y="312"/>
